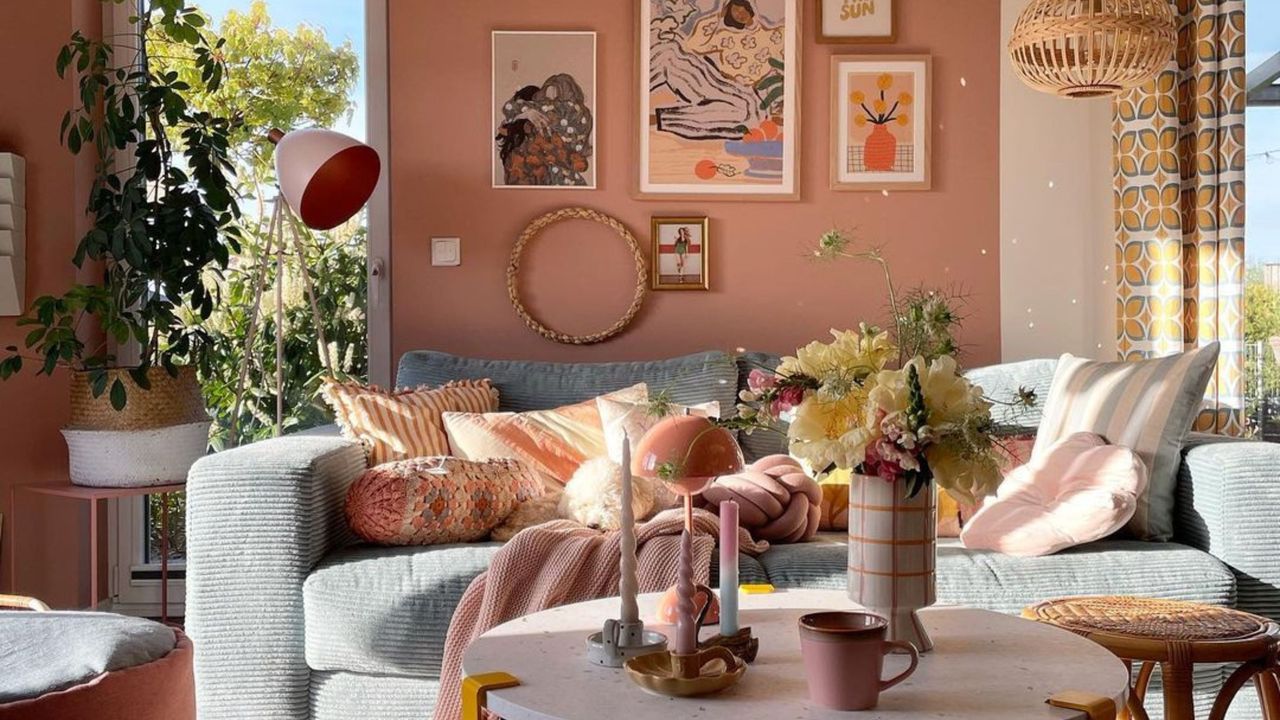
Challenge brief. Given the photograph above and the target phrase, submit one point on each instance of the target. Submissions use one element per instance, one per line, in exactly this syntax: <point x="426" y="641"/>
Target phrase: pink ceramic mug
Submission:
<point x="844" y="658"/>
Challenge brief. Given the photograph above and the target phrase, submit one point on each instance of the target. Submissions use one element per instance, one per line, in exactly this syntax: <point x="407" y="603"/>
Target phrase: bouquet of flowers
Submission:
<point x="846" y="409"/>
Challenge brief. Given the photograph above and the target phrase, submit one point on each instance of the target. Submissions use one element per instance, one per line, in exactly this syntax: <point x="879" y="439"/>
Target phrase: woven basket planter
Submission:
<point x="154" y="440"/>
<point x="135" y="458"/>
<point x="170" y="401"/>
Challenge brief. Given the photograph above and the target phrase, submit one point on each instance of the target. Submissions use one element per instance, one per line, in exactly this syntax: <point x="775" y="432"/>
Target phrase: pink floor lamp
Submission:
<point x="324" y="179"/>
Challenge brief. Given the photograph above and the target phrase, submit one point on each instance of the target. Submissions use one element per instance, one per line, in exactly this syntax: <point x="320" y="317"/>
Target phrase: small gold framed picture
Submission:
<point x="679" y="259"/>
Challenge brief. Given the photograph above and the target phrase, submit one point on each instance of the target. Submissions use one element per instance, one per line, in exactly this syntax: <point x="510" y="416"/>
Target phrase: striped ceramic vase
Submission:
<point x="892" y="554"/>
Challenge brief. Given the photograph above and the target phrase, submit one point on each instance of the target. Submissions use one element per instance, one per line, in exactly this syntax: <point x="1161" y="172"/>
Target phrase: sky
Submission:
<point x="1262" y="134"/>
<point x="341" y="20"/>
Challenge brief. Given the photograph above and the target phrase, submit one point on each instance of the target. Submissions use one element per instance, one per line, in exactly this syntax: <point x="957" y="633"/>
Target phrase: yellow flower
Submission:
<point x="904" y="98"/>
<point x="860" y="120"/>
<point x="903" y="120"/>
<point x="885" y="81"/>
<point x="967" y="480"/>
<point x="828" y="432"/>
<point x="879" y="106"/>
<point x="857" y="97"/>
<point x="849" y="357"/>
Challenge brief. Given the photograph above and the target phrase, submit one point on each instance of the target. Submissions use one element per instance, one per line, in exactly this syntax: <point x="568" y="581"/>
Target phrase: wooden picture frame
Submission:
<point x="829" y="36"/>
<point x="720" y="168"/>
<point x="551" y="65"/>
<point x="892" y="87"/>
<point x="663" y="253"/>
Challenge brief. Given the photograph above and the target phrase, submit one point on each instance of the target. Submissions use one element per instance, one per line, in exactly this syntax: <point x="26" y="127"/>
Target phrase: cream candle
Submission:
<point x="628" y="585"/>
<point x="686" y="618"/>
<point x="728" y="567"/>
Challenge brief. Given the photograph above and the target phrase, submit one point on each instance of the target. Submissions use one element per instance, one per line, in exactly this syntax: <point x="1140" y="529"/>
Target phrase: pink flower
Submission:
<point x="788" y="398"/>
<point x="759" y="381"/>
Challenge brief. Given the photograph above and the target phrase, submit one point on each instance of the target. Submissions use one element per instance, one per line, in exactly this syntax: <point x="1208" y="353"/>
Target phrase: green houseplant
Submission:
<point x="164" y="217"/>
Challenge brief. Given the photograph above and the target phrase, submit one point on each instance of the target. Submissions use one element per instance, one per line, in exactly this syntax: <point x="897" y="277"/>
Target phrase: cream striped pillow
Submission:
<point x="402" y="424"/>
<point x="1147" y="406"/>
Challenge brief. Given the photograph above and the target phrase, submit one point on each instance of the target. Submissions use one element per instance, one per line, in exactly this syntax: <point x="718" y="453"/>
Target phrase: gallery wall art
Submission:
<point x="680" y="256"/>
<point x="544" y="110"/>
<point x="718" y="112"/>
<point x="856" y="21"/>
<point x="880" y="122"/>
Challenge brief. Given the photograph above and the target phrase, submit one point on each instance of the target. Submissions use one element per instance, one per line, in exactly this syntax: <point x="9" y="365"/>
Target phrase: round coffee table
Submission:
<point x="985" y="665"/>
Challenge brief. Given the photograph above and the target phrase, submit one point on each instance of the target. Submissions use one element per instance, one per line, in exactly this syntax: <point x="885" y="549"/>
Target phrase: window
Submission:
<point x="1262" y="218"/>
<point x="340" y="47"/>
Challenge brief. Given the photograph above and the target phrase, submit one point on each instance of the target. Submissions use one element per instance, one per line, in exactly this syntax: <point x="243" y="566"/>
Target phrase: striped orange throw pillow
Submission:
<point x="401" y="424"/>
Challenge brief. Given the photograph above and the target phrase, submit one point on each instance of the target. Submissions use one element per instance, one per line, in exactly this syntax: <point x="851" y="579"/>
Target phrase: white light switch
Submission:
<point x="446" y="251"/>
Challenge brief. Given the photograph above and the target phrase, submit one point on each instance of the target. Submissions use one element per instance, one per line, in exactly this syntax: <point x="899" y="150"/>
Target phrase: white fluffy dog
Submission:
<point x="593" y="496"/>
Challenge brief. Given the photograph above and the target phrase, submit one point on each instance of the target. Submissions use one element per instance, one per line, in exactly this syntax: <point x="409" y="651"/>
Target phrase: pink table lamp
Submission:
<point x="688" y="453"/>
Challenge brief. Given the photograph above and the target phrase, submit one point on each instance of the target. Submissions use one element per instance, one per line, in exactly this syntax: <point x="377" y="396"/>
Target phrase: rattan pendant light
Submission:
<point x="1089" y="48"/>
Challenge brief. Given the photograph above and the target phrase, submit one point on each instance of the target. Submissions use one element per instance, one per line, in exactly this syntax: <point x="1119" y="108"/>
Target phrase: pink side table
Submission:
<point x="93" y="495"/>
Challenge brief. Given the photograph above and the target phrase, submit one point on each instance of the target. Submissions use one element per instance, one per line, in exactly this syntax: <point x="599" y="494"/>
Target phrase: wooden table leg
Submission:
<point x="1178" y="701"/>
<point x="1231" y="688"/>
<point x="1268" y="682"/>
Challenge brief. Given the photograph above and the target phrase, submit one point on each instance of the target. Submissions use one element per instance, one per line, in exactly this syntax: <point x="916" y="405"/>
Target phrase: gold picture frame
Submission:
<point x="827" y="12"/>
<point x="666" y="234"/>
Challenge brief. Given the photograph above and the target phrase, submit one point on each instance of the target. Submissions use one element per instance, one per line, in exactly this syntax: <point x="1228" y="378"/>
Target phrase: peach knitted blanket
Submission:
<point x="562" y="562"/>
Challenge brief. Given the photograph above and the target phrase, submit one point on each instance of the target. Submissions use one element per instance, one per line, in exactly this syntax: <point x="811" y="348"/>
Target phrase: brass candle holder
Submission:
<point x="687" y="675"/>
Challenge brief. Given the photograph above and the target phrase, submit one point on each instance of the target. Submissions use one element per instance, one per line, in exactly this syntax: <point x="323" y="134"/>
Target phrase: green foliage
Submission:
<point x="929" y="319"/>
<point x="286" y="79"/>
<point x="1262" y="311"/>
<point x="163" y="218"/>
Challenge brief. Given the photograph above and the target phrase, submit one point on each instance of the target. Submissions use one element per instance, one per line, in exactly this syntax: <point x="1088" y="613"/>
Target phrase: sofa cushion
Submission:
<point x="48" y="651"/>
<point x="385" y="611"/>
<point x="523" y="386"/>
<point x="985" y="579"/>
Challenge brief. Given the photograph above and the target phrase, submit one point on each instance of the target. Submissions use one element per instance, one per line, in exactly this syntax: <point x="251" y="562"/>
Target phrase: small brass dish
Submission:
<point x="702" y="673"/>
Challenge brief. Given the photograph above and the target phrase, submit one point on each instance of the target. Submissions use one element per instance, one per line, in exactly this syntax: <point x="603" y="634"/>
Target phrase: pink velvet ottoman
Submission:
<point x="159" y="687"/>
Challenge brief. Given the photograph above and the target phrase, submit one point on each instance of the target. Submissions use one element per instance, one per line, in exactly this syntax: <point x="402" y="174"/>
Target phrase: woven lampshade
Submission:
<point x="1089" y="48"/>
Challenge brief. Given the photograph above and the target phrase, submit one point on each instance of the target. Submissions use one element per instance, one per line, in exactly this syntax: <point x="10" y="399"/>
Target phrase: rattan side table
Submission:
<point x="1176" y="635"/>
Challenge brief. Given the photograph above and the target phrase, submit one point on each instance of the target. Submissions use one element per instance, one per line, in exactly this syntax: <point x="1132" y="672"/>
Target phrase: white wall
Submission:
<point x="1057" y="257"/>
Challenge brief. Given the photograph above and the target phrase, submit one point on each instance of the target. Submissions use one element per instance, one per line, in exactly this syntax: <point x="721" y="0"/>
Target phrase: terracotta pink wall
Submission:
<point x="52" y="540"/>
<point x="766" y="294"/>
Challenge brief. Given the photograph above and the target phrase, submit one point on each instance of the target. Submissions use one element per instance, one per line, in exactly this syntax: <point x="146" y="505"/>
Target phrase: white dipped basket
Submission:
<point x="135" y="458"/>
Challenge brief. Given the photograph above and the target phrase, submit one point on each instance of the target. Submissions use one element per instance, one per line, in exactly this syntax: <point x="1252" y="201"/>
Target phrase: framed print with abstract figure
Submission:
<point x="544" y="110"/>
<point x="880" y="122"/>
<point x="856" y="21"/>
<point x="718" y="111"/>
<point x="679" y="259"/>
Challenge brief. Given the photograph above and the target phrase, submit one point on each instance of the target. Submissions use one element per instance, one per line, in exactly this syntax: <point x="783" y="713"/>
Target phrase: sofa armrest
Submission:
<point x="259" y="518"/>
<point x="1228" y="504"/>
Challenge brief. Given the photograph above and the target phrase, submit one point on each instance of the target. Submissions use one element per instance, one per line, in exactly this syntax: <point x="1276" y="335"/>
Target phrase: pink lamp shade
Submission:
<point x="697" y="450"/>
<point x="325" y="176"/>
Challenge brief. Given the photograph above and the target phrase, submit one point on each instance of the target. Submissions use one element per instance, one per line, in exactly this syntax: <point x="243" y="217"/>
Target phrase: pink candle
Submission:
<point x="728" y="567"/>
<point x="686" y="642"/>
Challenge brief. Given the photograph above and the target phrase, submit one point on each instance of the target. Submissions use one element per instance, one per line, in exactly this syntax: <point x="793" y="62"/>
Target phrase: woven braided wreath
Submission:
<point x="531" y="232"/>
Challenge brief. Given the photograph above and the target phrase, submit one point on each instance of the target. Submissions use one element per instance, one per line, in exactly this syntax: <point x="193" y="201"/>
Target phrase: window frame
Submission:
<point x="132" y="593"/>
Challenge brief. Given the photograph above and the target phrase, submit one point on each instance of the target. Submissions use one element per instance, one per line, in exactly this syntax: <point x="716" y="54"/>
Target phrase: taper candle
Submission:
<point x="627" y="583"/>
<point x="686" y="619"/>
<point x="728" y="567"/>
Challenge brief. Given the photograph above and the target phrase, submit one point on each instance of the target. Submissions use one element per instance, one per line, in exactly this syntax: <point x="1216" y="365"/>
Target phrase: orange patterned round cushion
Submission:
<point x="434" y="500"/>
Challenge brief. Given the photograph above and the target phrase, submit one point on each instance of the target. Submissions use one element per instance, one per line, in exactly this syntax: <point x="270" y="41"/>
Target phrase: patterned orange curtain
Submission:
<point x="1179" y="196"/>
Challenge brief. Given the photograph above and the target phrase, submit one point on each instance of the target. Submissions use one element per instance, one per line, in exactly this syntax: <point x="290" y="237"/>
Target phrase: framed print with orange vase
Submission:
<point x="718" y="99"/>
<point x="881" y="109"/>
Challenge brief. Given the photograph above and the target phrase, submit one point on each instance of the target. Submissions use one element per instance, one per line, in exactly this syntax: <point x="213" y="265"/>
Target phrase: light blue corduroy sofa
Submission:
<point x="292" y="619"/>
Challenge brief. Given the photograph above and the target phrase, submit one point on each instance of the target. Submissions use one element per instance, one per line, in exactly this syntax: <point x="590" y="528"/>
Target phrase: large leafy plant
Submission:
<point x="163" y="204"/>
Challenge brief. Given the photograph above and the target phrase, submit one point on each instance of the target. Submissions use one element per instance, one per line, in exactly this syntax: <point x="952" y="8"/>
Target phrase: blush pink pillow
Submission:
<point x="1080" y="490"/>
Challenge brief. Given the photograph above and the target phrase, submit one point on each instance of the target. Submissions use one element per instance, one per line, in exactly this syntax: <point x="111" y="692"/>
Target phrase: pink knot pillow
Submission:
<point x="1080" y="490"/>
<point x="777" y="500"/>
